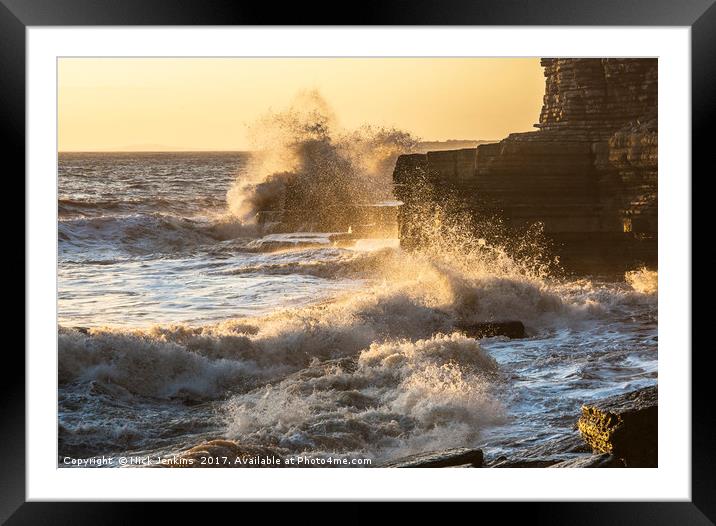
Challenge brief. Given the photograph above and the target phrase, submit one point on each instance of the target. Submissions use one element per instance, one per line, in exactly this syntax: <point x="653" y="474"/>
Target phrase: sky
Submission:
<point x="135" y="104"/>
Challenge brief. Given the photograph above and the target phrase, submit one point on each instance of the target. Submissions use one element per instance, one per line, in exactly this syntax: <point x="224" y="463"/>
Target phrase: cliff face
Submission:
<point x="597" y="95"/>
<point x="589" y="173"/>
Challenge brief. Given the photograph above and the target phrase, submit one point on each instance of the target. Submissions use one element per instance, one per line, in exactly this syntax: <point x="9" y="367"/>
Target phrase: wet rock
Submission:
<point x="453" y="163"/>
<point x="625" y="426"/>
<point x="558" y="447"/>
<point x="604" y="460"/>
<point x="458" y="457"/>
<point x="545" y="454"/>
<point x="525" y="463"/>
<point x="593" y="94"/>
<point x="511" y="329"/>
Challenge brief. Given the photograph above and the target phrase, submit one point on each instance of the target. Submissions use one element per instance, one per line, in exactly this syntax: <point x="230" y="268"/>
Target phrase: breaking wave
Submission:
<point x="143" y="234"/>
<point x="306" y="164"/>
<point x="137" y="233"/>
<point x="396" y="396"/>
<point x="385" y="369"/>
<point x="132" y="363"/>
<point x="76" y="207"/>
<point x="409" y="297"/>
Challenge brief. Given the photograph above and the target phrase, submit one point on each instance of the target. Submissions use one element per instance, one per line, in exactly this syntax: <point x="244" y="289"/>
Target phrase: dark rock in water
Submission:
<point x="625" y="426"/>
<point x="545" y="454"/>
<point x="458" y="457"/>
<point x="604" y="460"/>
<point x="558" y="447"/>
<point x="511" y="329"/>
<point x="83" y="330"/>
<point x="621" y="430"/>
<point x="525" y="463"/>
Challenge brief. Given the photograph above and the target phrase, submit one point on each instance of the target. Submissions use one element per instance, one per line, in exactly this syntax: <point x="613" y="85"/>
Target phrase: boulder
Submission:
<point x="561" y="447"/>
<point x="524" y="463"/>
<point x="625" y="426"/>
<point x="545" y="454"/>
<point x="458" y="457"/>
<point x="604" y="460"/>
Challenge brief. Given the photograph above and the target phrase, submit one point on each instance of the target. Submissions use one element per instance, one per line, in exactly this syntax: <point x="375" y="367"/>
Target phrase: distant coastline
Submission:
<point x="450" y="144"/>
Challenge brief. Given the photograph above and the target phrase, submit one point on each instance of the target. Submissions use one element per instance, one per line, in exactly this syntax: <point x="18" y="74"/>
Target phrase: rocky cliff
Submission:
<point x="589" y="174"/>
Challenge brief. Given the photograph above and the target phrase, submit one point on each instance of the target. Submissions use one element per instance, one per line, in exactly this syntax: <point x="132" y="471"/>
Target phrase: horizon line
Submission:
<point x="210" y="150"/>
<point x="237" y="150"/>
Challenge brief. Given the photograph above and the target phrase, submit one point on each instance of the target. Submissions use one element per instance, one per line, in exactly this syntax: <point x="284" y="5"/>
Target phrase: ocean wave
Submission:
<point x="322" y="262"/>
<point x="70" y="205"/>
<point x="385" y="369"/>
<point x="78" y="207"/>
<point x="137" y="234"/>
<point x="211" y="360"/>
<point x="114" y="420"/>
<point x="396" y="396"/>
<point x="132" y="363"/>
<point x="637" y="293"/>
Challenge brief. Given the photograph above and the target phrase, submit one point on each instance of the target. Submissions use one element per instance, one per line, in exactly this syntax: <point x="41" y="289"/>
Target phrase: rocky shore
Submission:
<point x="624" y="426"/>
<point x="588" y="175"/>
<point x="616" y="432"/>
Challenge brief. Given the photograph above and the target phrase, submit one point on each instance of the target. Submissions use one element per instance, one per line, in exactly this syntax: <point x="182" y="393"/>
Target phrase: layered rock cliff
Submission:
<point x="589" y="174"/>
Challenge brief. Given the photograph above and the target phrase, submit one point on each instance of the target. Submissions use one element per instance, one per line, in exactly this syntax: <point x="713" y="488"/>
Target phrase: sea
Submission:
<point x="179" y="324"/>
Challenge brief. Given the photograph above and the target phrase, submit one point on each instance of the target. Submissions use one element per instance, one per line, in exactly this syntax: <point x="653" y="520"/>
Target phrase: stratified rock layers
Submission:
<point x="589" y="174"/>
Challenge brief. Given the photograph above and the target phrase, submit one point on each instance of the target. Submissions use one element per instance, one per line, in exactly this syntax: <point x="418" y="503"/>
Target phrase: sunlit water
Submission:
<point x="192" y="328"/>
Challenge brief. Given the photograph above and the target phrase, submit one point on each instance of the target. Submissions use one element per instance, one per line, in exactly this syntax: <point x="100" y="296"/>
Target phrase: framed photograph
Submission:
<point x="310" y="251"/>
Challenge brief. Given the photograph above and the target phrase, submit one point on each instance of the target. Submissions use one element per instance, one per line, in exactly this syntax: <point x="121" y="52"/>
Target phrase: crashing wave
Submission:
<point x="305" y="166"/>
<point x="144" y="234"/>
<point x="395" y="396"/>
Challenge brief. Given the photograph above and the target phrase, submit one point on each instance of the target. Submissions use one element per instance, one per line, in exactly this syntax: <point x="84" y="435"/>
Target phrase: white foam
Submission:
<point x="397" y="396"/>
<point x="643" y="280"/>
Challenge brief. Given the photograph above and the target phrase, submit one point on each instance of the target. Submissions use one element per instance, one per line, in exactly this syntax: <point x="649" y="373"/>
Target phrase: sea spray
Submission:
<point x="643" y="280"/>
<point x="304" y="163"/>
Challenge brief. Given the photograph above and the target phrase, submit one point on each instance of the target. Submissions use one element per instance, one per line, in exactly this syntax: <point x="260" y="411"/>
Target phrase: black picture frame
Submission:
<point x="700" y="15"/>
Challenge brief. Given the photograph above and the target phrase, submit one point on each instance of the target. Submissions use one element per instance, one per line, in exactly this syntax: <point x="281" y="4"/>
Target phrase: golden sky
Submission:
<point x="115" y="104"/>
